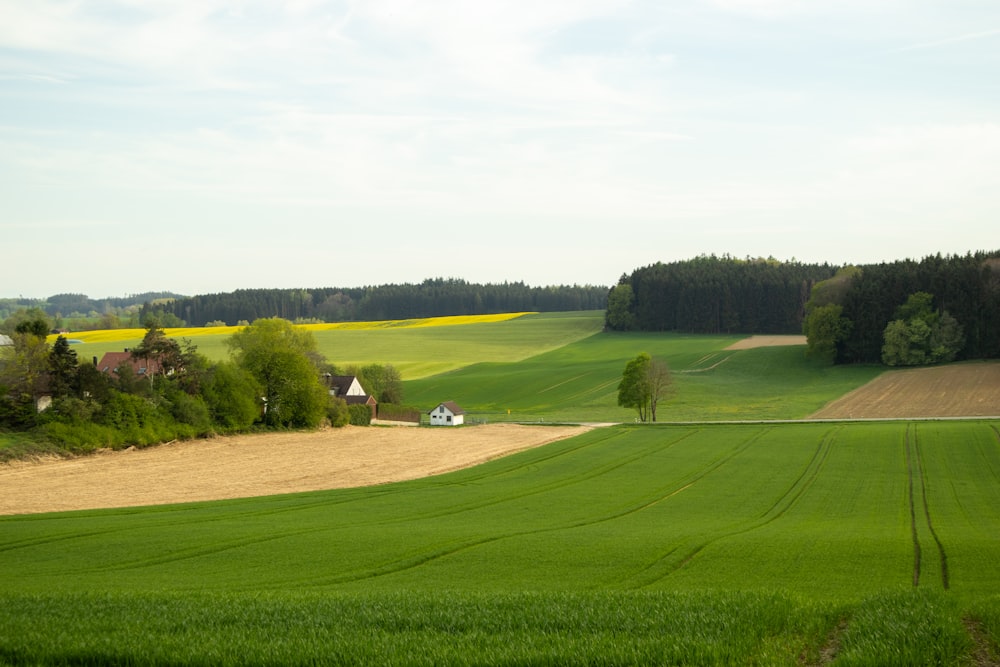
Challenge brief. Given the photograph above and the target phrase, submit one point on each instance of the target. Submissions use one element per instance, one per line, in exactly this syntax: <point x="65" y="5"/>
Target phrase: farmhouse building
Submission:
<point x="110" y="362"/>
<point x="349" y="388"/>
<point x="447" y="414"/>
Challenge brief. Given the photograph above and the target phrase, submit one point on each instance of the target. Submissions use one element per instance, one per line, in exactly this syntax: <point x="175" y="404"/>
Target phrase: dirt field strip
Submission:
<point x="767" y="341"/>
<point x="259" y="465"/>
<point x="955" y="390"/>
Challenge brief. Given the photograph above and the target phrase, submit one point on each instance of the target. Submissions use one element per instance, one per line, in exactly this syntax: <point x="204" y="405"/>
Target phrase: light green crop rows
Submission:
<point x="807" y="525"/>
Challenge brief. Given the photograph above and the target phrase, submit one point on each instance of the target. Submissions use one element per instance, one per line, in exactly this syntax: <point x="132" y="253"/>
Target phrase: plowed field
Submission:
<point x="958" y="390"/>
<point x="259" y="465"/>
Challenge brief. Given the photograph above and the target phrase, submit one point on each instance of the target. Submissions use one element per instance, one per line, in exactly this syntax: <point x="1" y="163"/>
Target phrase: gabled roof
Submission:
<point x="342" y="383"/>
<point x="112" y="360"/>
<point x="451" y="406"/>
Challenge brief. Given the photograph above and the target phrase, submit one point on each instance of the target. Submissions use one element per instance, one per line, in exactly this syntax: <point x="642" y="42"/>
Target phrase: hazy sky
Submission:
<point x="211" y="145"/>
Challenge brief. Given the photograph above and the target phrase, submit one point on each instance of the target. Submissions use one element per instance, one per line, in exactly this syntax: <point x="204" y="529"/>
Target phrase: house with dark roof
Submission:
<point x="349" y="388"/>
<point x="447" y="414"/>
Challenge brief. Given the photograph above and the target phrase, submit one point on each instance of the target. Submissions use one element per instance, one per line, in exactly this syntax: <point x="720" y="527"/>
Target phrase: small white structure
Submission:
<point x="447" y="414"/>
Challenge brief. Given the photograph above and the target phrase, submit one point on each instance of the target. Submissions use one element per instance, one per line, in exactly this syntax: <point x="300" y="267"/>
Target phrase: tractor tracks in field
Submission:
<point x="917" y="474"/>
<point x="429" y="555"/>
<point x="666" y="565"/>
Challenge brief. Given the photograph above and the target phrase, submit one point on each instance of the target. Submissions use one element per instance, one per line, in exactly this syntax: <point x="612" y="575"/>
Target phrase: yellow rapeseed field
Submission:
<point x="114" y="335"/>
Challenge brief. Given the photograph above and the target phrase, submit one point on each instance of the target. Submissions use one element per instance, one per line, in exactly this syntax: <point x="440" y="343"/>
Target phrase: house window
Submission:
<point x="449" y="417"/>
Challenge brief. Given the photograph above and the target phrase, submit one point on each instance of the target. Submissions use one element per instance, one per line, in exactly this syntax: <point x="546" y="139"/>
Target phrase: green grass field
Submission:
<point x="732" y="544"/>
<point x="579" y="381"/>
<point x="416" y="351"/>
<point x="691" y="543"/>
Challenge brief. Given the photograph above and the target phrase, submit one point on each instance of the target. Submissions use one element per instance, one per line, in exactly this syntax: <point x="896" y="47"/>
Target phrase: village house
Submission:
<point x="447" y="414"/>
<point x="111" y="361"/>
<point x="349" y="388"/>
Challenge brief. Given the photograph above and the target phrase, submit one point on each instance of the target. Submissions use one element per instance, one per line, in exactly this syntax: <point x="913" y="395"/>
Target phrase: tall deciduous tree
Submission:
<point x="621" y="301"/>
<point x="645" y="382"/>
<point x="921" y="335"/>
<point x="282" y="358"/>
<point x="825" y="328"/>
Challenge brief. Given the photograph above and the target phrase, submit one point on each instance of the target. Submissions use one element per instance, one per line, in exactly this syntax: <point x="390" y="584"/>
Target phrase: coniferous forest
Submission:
<point x="712" y="294"/>
<point x="431" y="298"/>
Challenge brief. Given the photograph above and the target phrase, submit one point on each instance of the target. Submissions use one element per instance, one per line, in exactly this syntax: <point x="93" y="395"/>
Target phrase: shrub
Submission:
<point x="361" y="415"/>
<point x="337" y="412"/>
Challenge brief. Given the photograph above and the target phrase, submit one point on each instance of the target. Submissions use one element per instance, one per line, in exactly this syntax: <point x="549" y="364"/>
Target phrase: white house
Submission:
<point x="447" y="414"/>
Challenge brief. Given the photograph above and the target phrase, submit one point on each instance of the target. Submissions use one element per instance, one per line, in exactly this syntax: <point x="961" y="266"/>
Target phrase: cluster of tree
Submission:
<point x="645" y="382"/>
<point x="79" y="312"/>
<point x="273" y="379"/>
<point x="712" y="294"/>
<point x="908" y="312"/>
<point x="431" y="298"/>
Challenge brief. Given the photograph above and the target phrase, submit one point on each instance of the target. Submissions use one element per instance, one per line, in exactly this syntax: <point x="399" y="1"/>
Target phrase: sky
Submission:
<point x="213" y="145"/>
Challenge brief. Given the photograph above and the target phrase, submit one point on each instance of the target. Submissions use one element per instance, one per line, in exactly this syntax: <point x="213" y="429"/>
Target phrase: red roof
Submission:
<point x="112" y="360"/>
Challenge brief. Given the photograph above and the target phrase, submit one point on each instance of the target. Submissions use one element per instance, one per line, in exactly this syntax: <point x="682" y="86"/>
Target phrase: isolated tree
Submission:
<point x="282" y="359"/>
<point x="634" y="389"/>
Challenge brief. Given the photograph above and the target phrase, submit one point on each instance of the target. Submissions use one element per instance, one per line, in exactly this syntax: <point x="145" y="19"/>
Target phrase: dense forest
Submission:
<point x="964" y="287"/>
<point x="431" y="298"/>
<point x="712" y="294"/>
<point x="902" y="313"/>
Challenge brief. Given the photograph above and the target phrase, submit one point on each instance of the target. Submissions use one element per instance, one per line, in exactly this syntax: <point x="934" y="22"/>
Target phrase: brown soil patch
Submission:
<point x="767" y="341"/>
<point x="259" y="465"/>
<point x="958" y="390"/>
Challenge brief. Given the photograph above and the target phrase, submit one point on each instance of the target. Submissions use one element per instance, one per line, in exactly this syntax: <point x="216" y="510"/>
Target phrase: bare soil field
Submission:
<point x="259" y="465"/>
<point x="959" y="390"/>
<point x="766" y="341"/>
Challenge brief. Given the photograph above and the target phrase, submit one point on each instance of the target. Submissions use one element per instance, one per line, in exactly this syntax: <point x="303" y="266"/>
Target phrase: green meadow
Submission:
<point x="579" y="381"/>
<point x="684" y="544"/>
<point x="417" y="351"/>
<point x="695" y="543"/>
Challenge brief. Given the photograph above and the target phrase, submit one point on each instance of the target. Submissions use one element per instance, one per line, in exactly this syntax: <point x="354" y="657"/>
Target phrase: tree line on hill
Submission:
<point x="275" y="378"/>
<point x="713" y="295"/>
<point x="909" y="312"/>
<point x="906" y="312"/>
<point x="78" y="312"/>
<point x="431" y="298"/>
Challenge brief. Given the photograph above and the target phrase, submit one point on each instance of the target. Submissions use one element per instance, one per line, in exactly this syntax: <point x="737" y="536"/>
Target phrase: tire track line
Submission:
<point x="942" y="554"/>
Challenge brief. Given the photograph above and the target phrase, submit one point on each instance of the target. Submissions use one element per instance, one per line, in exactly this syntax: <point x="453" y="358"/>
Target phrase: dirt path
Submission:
<point x="259" y="465"/>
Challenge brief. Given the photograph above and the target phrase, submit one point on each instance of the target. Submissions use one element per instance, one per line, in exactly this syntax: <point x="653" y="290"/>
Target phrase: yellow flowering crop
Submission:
<point x="115" y="335"/>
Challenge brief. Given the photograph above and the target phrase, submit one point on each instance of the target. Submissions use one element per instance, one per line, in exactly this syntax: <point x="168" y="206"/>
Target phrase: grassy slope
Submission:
<point x="642" y="541"/>
<point x="579" y="382"/>
<point x="816" y="509"/>
<point x="419" y="351"/>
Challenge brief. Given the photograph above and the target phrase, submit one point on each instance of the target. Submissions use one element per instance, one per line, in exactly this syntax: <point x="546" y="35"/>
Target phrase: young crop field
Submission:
<point x="416" y="347"/>
<point x="850" y="543"/>
<point x="579" y="381"/>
